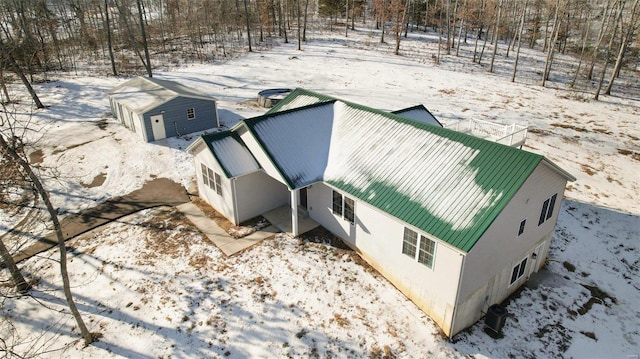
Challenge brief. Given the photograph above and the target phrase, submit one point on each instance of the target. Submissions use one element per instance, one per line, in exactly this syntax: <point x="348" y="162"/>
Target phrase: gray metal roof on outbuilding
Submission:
<point x="142" y="94"/>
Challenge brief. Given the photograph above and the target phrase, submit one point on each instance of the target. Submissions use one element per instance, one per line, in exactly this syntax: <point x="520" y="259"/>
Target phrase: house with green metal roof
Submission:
<point x="155" y="109"/>
<point x="455" y="222"/>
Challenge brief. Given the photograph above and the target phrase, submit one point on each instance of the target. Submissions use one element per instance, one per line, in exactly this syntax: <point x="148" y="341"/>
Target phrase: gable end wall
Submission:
<point x="488" y="266"/>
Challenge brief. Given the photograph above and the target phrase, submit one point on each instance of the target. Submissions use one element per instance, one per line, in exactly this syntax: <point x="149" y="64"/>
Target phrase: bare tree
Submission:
<point x="551" y="47"/>
<point x="515" y="62"/>
<point x="9" y="146"/>
<point x="12" y="62"/>
<point x="496" y="31"/>
<point x="627" y="35"/>
<point x="620" y="5"/>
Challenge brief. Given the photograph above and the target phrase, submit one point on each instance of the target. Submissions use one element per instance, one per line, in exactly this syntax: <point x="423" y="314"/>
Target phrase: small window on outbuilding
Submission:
<point x="522" y="225"/>
<point x="191" y="113"/>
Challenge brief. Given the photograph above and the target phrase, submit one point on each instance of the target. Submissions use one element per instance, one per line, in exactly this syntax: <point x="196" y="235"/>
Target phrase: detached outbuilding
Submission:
<point x="157" y="109"/>
<point x="455" y="222"/>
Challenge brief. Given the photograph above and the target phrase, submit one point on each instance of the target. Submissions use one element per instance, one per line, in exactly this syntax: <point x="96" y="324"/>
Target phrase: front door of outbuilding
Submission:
<point x="157" y="125"/>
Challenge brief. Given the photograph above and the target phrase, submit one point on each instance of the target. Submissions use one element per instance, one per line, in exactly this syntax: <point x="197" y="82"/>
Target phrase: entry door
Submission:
<point x="303" y="197"/>
<point x="157" y="125"/>
<point x="536" y="258"/>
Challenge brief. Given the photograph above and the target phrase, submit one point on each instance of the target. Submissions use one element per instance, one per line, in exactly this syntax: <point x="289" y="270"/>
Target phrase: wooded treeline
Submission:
<point x="133" y="36"/>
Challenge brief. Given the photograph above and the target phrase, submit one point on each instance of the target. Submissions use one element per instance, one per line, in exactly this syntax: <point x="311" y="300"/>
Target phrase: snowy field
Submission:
<point x="154" y="287"/>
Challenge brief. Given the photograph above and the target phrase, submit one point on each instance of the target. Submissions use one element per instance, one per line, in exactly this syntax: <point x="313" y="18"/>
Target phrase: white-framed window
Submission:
<point x="191" y="113"/>
<point x="409" y="243"/>
<point x="211" y="179"/>
<point x="425" y="248"/>
<point x="547" y="208"/>
<point x="523" y="223"/>
<point x="344" y="207"/>
<point x="518" y="271"/>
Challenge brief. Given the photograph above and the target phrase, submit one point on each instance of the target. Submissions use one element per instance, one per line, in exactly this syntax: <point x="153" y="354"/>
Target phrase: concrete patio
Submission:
<point x="225" y="242"/>
<point x="281" y="218"/>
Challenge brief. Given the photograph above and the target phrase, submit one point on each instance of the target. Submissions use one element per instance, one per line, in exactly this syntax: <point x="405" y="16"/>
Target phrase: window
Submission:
<point x="191" y="113"/>
<point x="205" y="177"/>
<point x="522" y="224"/>
<point x="427" y="248"/>
<point x="518" y="271"/>
<point x="211" y="179"/>
<point x="409" y="243"/>
<point x="547" y="209"/>
<point x="218" y="184"/>
<point x="349" y="208"/>
<point x="337" y="203"/>
<point x="344" y="207"/>
<point x="423" y="245"/>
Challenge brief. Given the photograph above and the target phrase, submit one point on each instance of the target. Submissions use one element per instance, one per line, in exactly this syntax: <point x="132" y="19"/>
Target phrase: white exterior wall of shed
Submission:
<point x="257" y="151"/>
<point x="489" y="264"/>
<point x="223" y="204"/>
<point x="257" y="193"/>
<point x="378" y="239"/>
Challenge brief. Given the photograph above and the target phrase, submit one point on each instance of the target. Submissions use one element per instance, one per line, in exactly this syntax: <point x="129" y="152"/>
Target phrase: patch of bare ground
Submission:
<point x="588" y="169"/>
<point x="634" y="155"/>
<point x="381" y="353"/>
<point x="323" y="236"/>
<point x="165" y="237"/>
<point x="571" y="127"/>
<point x="36" y="157"/>
<point x="102" y="124"/>
<point x="97" y="181"/>
<point x="538" y="131"/>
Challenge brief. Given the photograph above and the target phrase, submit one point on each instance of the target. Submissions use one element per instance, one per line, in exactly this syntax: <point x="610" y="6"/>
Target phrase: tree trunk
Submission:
<point x="109" y="45"/>
<point x="596" y="49"/>
<point x="299" y="27"/>
<point x="346" y="21"/>
<point x="608" y="53"/>
<point x="3" y="84"/>
<point x="496" y="36"/>
<point x="515" y="62"/>
<point x="18" y="70"/>
<point x="584" y="46"/>
<point x="304" y="29"/>
<point x="552" y="45"/>
<point x="626" y="39"/>
<point x="144" y="40"/>
<point x="18" y="280"/>
<point x="88" y="337"/>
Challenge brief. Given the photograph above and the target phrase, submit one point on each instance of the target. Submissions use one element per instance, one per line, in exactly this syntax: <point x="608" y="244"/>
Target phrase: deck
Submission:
<point x="510" y="135"/>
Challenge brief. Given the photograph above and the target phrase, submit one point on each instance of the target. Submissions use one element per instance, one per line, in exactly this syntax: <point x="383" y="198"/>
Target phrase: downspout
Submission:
<point x="455" y="302"/>
<point x="236" y="217"/>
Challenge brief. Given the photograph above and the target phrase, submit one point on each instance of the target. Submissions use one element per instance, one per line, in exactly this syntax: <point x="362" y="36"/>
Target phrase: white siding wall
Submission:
<point x="224" y="203"/>
<point x="257" y="193"/>
<point x="257" y="151"/>
<point x="378" y="238"/>
<point x="488" y="266"/>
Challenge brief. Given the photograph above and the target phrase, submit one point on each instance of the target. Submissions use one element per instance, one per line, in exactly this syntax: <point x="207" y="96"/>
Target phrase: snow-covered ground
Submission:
<point x="155" y="287"/>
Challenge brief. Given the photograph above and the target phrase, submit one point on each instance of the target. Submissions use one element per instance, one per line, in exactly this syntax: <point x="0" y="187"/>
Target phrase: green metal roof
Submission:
<point x="445" y="183"/>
